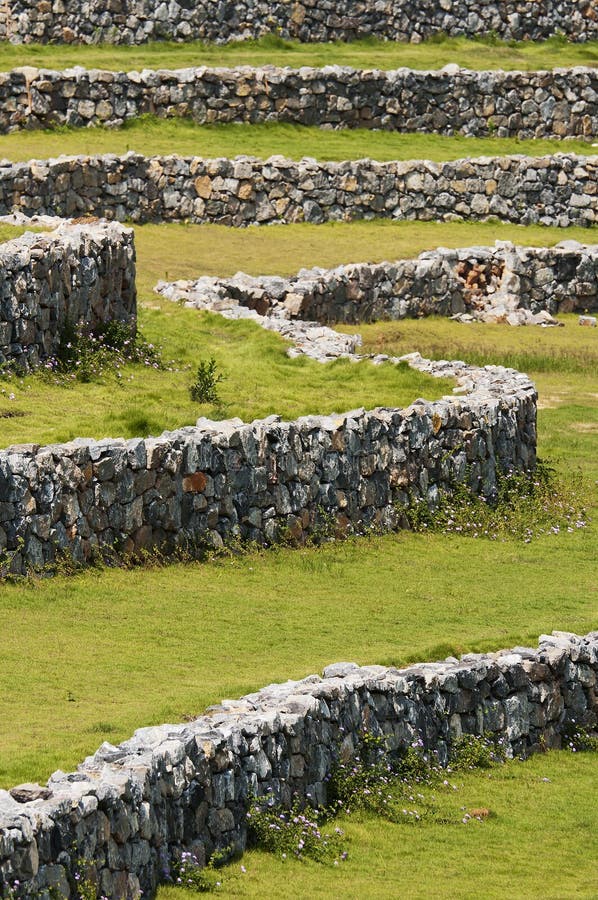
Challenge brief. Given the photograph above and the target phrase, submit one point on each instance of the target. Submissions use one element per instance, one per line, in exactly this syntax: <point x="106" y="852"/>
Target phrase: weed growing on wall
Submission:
<point x="579" y="739"/>
<point x="524" y="506"/>
<point x="298" y="831"/>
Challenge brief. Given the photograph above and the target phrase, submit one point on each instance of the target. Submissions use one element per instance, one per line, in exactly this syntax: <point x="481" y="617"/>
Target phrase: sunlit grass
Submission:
<point x="154" y="136"/>
<point x="486" y="53"/>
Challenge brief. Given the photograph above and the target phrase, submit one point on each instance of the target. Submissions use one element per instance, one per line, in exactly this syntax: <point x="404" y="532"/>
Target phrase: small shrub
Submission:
<point x="293" y="832"/>
<point x="85" y="355"/>
<point x="472" y="751"/>
<point x="578" y="739"/>
<point x="188" y="873"/>
<point x="205" y="387"/>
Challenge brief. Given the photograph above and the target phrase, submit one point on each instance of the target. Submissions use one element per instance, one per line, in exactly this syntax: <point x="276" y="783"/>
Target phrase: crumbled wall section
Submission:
<point x="557" y="104"/>
<point x="82" y="272"/>
<point x="554" y="279"/>
<point x="131" y="809"/>
<point x="138" y="21"/>
<point x="552" y="190"/>
<point x="262" y="481"/>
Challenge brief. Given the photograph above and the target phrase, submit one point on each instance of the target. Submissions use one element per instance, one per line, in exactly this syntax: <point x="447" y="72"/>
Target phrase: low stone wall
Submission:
<point x="130" y="810"/>
<point x="439" y="282"/>
<point x="263" y="481"/>
<point x="138" y="21"/>
<point x="82" y="272"/>
<point x="557" y="104"/>
<point x="556" y="190"/>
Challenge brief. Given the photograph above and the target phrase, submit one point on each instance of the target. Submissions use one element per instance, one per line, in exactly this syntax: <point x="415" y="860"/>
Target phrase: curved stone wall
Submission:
<point x="556" y="190"/>
<point x="137" y="21"/>
<point x="266" y="480"/>
<point x="129" y="810"/>
<point x="470" y="280"/>
<point x="78" y="272"/>
<point x="557" y="104"/>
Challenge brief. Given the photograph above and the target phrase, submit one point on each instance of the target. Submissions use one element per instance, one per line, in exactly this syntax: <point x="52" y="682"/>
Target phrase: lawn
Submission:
<point x="486" y="53"/>
<point x="153" y="136"/>
<point x="537" y="843"/>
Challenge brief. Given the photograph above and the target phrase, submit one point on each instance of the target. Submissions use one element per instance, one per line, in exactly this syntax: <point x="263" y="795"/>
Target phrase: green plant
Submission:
<point x="189" y="873"/>
<point x="205" y="387"/>
<point x="473" y="751"/>
<point x="579" y="739"/>
<point x="294" y="832"/>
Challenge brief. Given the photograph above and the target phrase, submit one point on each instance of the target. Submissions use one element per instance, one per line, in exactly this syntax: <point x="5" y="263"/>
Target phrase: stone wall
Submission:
<point x="263" y="481"/>
<point x="131" y="809"/>
<point x="83" y="272"/>
<point x="557" y="104"/>
<point x="137" y="21"/>
<point x="442" y="282"/>
<point x="556" y="190"/>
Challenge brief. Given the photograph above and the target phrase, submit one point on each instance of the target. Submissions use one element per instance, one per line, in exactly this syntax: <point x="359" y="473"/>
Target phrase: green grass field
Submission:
<point x="536" y="843"/>
<point x="366" y="54"/>
<point x="91" y="657"/>
<point x="152" y="136"/>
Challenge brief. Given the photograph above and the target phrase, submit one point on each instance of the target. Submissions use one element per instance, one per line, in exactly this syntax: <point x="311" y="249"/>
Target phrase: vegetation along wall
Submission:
<point x="137" y="21"/>
<point x="129" y="810"/>
<point x="553" y="190"/>
<point x="263" y="481"/>
<point x="76" y="273"/>
<point x="561" y="103"/>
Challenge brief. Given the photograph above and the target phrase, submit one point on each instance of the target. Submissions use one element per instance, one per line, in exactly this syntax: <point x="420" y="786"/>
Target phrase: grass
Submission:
<point x="153" y="136"/>
<point x="536" y="843"/>
<point x="147" y="401"/>
<point x="486" y="53"/>
<point x="99" y="654"/>
<point x="10" y="232"/>
<point x="152" y="645"/>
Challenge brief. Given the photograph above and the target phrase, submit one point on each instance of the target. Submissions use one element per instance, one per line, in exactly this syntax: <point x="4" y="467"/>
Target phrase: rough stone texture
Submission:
<point x="268" y="479"/>
<point x="83" y="272"/>
<point x="553" y="190"/>
<point x="137" y="21"/>
<point x="131" y="809"/>
<point x="467" y="280"/>
<point x="557" y="104"/>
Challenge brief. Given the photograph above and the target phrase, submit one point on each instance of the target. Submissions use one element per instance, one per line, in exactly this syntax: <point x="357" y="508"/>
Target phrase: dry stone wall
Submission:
<point x="557" y="104"/>
<point x="83" y="272"/>
<point x="130" y="810"/>
<point x="138" y="21"/>
<point x="556" y="190"/>
<point x="262" y="481"/>
<point x="438" y="282"/>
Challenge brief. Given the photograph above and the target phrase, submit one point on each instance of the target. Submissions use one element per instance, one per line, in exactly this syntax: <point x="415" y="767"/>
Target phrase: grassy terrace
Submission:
<point x="149" y="135"/>
<point x="222" y="628"/>
<point x="260" y="378"/>
<point x="367" y="54"/>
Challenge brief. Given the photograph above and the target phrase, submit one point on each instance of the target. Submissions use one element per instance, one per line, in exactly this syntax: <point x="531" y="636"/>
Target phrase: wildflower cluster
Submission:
<point x="473" y="751"/>
<point x="525" y="505"/>
<point x="294" y="832"/>
<point x="84" y="355"/>
<point x="579" y="739"/>
<point x="189" y="873"/>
